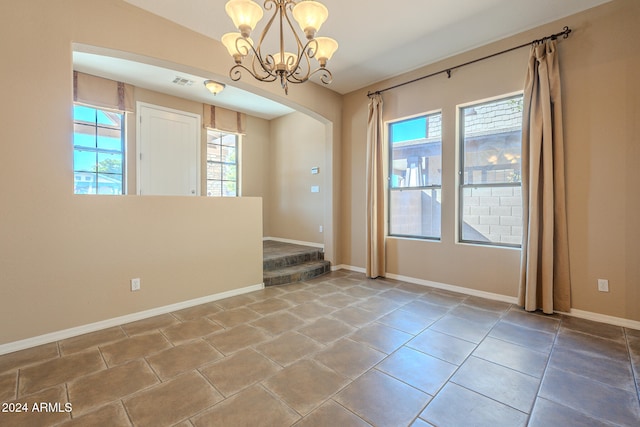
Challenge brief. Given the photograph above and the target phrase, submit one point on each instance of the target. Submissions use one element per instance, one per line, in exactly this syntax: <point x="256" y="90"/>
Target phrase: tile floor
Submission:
<point x="340" y="350"/>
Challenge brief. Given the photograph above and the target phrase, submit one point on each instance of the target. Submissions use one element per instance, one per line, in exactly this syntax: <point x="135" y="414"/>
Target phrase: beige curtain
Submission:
<point x="544" y="272"/>
<point x="222" y="119"/>
<point x="375" y="190"/>
<point x="102" y="93"/>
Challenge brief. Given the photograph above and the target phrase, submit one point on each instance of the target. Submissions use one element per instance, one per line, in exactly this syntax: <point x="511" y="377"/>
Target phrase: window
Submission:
<point x="415" y="177"/>
<point x="98" y="151"/>
<point x="490" y="184"/>
<point x="222" y="164"/>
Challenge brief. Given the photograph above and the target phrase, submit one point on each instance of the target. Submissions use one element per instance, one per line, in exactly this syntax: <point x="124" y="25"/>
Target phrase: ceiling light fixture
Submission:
<point x="284" y="65"/>
<point x="214" y="87"/>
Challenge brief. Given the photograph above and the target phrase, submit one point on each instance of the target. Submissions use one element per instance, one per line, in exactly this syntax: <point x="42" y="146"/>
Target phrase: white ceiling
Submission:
<point x="378" y="42"/>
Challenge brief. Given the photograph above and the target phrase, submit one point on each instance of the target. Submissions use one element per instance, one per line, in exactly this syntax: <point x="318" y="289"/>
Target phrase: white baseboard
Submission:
<point x="295" y="242"/>
<point x="453" y="288"/>
<point x="348" y="267"/>
<point x="603" y="318"/>
<point x="117" y="321"/>
<point x="588" y="315"/>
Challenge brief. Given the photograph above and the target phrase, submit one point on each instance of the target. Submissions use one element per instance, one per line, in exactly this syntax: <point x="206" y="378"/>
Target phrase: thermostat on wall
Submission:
<point x="315" y="170"/>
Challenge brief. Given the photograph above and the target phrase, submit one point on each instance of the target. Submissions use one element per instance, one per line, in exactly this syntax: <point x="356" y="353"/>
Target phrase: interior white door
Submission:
<point x="168" y="152"/>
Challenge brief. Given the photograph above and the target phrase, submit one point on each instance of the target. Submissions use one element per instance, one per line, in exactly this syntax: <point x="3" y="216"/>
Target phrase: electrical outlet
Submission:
<point x="321" y="229"/>
<point x="603" y="285"/>
<point x="135" y="284"/>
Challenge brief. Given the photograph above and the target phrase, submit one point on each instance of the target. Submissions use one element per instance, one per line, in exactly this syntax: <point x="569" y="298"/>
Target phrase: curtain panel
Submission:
<point x="222" y="119"/>
<point x="102" y="93"/>
<point x="375" y="188"/>
<point x="544" y="273"/>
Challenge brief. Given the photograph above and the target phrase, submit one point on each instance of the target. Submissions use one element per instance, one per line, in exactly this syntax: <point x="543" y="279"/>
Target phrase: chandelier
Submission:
<point x="294" y="65"/>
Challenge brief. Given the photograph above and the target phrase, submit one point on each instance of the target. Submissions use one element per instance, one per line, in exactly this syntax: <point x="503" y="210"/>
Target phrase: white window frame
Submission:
<point x="391" y="189"/>
<point x="461" y="179"/>
<point x="122" y="151"/>
<point x="238" y="138"/>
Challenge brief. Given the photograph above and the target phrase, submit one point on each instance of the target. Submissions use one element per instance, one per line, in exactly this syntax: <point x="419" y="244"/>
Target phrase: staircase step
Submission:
<point x="280" y="254"/>
<point x="277" y="262"/>
<point x="285" y="262"/>
<point x="296" y="273"/>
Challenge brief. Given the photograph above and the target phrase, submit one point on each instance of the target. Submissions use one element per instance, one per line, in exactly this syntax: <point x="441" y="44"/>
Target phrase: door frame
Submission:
<point x="198" y="117"/>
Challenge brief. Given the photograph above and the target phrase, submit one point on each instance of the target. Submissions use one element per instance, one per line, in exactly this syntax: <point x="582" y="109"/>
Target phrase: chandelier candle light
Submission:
<point x="286" y="66"/>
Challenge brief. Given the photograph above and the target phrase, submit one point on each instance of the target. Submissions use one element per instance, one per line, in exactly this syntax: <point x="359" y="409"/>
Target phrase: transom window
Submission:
<point x="98" y="151"/>
<point x="415" y="177"/>
<point x="490" y="168"/>
<point x="222" y="164"/>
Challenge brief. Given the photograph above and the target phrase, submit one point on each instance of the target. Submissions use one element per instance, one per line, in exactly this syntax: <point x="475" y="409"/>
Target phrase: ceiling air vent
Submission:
<point x="181" y="81"/>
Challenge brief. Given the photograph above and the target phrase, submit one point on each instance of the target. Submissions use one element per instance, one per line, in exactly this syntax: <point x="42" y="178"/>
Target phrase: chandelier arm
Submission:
<point x="292" y="65"/>
<point x="311" y="51"/>
<point x="307" y="54"/>
<point x="270" y="78"/>
<point x="243" y="48"/>
<point x="262" y="66"/>
<point x="268" y="5"/>
<point x="301" y="48"/>
<point x="294" y="80"/>
<point x="263" y="74"/>
<point x="256" y="72"/>
<point x="235" y="74"/>
<point x="326" y="76"/>
<point x="292" y="27"/>
<point x="297" y="77"/>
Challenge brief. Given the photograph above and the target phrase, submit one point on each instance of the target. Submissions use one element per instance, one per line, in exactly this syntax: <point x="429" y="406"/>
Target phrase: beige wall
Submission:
<point x="255" y="160"/>
<point x="599" y="63"/>
<point x="297" y="145"/>
<point x="66" y="260"/>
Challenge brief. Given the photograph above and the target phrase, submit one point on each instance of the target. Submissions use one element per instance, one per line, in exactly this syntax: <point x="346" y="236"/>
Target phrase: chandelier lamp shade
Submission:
<point x="290" y="60"/>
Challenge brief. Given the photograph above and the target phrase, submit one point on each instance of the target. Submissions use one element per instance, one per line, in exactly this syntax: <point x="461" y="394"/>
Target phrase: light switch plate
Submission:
<point x="603" y="285"/>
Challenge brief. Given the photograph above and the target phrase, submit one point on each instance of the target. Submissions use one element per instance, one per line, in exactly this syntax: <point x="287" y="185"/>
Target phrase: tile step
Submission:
<point x="296" y="273"/>
<point x="277" y="262"/>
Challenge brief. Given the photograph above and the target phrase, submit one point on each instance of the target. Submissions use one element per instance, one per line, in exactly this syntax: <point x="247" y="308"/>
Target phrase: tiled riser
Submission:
<point x="288" y="263"/>
<point x="290" y="260"/>
<point x="309" y="273"/>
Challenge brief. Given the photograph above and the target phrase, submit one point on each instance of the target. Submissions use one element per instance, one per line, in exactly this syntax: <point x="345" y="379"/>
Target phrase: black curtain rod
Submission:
<point x="564" y="33"/>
